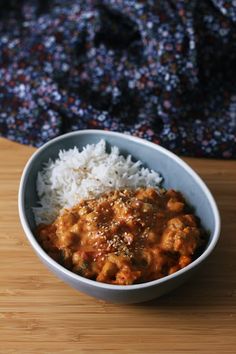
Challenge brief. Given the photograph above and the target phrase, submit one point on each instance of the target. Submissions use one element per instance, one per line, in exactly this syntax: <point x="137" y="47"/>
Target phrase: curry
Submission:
<point x="125" y="236"/>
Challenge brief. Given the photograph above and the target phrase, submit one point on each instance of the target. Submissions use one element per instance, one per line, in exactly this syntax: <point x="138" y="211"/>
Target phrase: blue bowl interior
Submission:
<point x="175" y="176"/>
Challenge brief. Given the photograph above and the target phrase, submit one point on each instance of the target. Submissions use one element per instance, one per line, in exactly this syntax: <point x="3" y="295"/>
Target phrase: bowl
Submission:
<point x="177" y="175"/>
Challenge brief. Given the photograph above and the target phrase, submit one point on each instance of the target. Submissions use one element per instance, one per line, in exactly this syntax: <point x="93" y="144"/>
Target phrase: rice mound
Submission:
<point x="75" y="175"/>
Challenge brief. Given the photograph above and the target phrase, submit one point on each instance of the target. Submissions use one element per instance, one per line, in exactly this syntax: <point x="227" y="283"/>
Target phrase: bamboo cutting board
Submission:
<point x="41" y="314"/>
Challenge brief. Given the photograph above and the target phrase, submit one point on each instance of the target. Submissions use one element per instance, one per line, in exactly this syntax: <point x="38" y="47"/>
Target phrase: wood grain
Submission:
<point x="40" y="314"/>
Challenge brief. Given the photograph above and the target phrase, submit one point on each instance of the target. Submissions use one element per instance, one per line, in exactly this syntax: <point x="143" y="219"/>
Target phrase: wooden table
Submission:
<point x="41" y="314"/>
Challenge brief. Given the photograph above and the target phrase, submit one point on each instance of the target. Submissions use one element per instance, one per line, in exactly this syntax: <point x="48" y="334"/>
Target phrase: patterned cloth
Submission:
<point x="161" y="70"/>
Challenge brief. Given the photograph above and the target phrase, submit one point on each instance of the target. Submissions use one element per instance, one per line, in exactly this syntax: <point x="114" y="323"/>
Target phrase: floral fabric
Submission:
<point x="161" y="70"/>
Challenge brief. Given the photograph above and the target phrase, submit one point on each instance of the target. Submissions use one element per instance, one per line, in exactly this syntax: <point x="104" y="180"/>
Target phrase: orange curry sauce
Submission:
<point x="125" y="236"/>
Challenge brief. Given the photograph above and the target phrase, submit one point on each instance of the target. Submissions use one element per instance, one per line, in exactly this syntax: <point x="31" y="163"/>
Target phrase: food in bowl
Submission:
<point x="76" y="175"/>
<point x="125" y="236"/>
<point x="106" y="218"/>
<point x="177" y="175"/>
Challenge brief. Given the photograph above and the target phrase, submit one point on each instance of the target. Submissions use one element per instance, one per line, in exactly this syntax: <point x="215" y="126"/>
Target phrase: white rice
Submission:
<point x="78" y="175"/>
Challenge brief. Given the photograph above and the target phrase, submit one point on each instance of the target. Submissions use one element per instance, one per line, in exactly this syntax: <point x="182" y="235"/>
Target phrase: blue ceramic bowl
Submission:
<point x="177" y="175"/>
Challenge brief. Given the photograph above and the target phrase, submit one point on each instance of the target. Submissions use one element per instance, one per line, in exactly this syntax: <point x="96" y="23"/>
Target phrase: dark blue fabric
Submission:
<point x="161" y="70"/>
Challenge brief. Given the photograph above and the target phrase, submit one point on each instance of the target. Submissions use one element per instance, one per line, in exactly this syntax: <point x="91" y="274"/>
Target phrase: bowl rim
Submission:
<point x="56" y="266"/>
